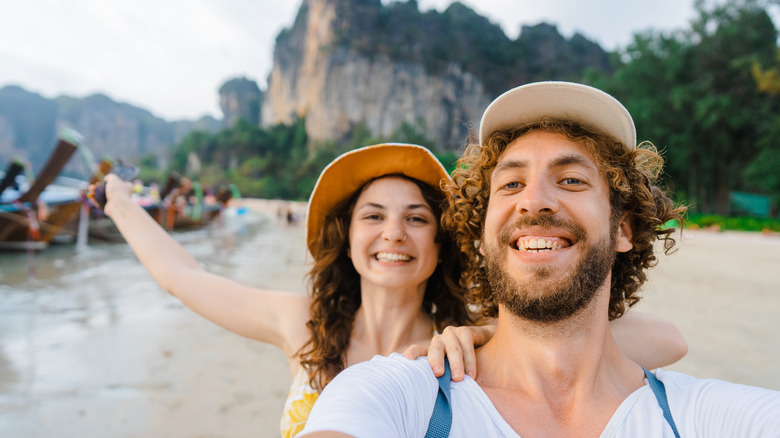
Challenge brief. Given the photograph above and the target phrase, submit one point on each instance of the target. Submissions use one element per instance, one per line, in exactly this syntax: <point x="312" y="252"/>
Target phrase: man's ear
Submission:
<point x="482" y="247"/>
<point x="625" y="234"/>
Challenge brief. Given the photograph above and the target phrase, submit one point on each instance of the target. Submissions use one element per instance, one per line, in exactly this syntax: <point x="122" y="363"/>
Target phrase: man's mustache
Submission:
<point x="548" y="221"/>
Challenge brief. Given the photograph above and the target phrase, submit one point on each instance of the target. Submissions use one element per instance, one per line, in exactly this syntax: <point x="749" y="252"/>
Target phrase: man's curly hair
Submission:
<point x="631" y="175"/>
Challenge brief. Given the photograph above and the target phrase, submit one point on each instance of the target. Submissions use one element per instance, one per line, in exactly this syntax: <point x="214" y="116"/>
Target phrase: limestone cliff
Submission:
<point x="350" y="62"/>
<point x="240" y="98"/>
<point x="336" y="88"/>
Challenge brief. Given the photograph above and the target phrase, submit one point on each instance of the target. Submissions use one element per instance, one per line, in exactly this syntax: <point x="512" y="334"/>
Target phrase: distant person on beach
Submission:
<point x="557" y="212"/>
<point x="384" y="278"/>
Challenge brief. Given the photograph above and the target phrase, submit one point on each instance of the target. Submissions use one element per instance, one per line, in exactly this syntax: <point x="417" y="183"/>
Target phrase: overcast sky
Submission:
<point x="171" y="56"/>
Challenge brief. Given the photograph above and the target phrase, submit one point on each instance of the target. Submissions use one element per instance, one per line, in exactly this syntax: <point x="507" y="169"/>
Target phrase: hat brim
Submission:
<point x="350" y="171"/>
<point x="582" y="104"/>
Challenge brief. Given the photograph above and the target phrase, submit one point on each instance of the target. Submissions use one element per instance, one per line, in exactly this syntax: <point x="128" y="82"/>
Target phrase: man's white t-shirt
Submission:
<point x="394" y="397"/>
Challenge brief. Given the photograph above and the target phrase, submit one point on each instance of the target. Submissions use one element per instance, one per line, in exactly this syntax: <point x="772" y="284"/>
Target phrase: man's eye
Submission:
<point x="571" y="181"/>
<point x="512" y="185"/>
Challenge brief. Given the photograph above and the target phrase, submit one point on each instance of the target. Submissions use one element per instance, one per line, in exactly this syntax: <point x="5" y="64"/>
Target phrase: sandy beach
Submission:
<point x="95" y="348"/>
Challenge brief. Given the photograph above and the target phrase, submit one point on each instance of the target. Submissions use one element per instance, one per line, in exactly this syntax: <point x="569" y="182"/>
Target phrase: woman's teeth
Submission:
<point x="392" y="257"/>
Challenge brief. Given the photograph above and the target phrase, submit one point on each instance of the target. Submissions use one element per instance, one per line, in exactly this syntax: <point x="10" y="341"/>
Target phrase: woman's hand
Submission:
<point x="459" y="345"/>
<point x="112" y="187"/>
<point x="115" y="186"/>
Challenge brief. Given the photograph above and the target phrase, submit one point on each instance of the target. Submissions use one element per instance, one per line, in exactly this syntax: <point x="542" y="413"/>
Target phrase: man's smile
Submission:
<point x="538" y="244"/>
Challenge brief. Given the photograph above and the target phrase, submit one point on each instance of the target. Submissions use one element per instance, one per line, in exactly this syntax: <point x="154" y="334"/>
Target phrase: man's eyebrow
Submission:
<point x="510" y="164"/>
<point x="570" y="159"/>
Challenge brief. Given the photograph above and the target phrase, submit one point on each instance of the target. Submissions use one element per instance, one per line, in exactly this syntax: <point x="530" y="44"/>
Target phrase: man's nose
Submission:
<point x="538" y="197"/>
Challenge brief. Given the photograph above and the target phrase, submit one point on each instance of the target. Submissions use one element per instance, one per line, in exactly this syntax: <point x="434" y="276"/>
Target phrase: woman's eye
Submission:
<point x="419" y="219"/>
<point x="372" y="217"/>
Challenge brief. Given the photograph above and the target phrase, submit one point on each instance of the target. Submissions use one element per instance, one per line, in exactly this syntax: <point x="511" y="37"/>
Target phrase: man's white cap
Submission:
<point x="585" y="105"/>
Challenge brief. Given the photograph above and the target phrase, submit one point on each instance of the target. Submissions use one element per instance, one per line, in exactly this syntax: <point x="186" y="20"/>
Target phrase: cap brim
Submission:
<point x="585" y="105"/>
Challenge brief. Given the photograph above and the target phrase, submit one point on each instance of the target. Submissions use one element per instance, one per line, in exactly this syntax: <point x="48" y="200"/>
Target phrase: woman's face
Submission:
<point x="392" y="235"/>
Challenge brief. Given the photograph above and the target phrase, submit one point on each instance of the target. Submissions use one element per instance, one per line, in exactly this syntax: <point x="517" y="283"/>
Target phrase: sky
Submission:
<point x="171" y="56"/>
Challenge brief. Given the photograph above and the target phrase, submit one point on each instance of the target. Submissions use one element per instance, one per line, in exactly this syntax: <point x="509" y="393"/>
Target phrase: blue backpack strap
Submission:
<point x="441" y="419"/>
<point x="659" y="390"/>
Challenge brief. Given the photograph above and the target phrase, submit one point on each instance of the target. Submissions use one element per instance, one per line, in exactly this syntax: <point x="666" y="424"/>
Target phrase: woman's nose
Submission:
<point x="393" y="232"/>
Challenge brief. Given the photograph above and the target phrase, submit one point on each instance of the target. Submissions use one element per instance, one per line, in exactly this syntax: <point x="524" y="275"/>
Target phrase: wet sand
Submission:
<point x="94" y="348"/>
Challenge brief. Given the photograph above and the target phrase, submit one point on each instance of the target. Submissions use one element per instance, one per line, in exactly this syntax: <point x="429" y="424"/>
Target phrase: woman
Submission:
<point x="384" y="277"/>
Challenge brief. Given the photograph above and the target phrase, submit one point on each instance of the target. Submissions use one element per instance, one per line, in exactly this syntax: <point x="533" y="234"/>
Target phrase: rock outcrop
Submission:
<point x="240" y="98"/>
<point x="336" y="88"/>
<point x="29" y="124"/>
<point x="346" y="63"/>
<point x="344" y="66"/>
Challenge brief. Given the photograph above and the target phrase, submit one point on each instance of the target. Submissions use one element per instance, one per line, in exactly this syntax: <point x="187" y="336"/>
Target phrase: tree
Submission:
<point x="694" y="95"/>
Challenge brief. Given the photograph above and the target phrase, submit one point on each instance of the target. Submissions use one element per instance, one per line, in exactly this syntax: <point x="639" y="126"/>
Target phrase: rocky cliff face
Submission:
<point x="336" y="88"/>
<point x="115" y="129"/>
<point x="350" y="62"/>
<point x="29" y="124"/>
<point x="240" y="98"/>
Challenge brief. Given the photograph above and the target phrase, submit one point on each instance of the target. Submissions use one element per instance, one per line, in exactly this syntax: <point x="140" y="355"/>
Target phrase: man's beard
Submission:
<point x="542" y="299"/>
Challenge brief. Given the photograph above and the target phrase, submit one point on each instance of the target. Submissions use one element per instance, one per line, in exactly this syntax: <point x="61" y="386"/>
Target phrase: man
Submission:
<point x="557" y="214"/>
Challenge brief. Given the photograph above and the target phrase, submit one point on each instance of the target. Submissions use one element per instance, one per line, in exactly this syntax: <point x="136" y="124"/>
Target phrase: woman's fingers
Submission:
<point x="415" y="351"/>
<point x="465" y="351"/>
<point x="436" y="352"/>
<point x="435" y="356"/>
<point x="458" y="343"/>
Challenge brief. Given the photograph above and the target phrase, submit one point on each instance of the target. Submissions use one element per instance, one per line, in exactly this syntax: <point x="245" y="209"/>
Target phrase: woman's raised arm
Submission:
<point x="277" y="318"/>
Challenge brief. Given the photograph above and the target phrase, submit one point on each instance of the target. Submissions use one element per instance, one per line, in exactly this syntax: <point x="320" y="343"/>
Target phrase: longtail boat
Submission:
<point x="30" y="217"/>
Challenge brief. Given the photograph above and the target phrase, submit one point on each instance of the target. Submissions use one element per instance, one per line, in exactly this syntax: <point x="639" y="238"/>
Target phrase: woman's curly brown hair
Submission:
<point x="336" y="287"/>
<point x="631" y="177"/>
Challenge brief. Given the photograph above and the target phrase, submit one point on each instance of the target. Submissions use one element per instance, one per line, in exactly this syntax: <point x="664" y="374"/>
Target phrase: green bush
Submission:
<point x="737" y="223"/>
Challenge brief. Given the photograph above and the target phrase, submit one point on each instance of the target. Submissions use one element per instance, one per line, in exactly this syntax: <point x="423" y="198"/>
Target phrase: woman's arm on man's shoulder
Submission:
<point x="649" y="340"/>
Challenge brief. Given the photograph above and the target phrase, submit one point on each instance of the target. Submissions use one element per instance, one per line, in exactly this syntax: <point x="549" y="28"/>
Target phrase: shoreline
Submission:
<point x="98" y="349"/>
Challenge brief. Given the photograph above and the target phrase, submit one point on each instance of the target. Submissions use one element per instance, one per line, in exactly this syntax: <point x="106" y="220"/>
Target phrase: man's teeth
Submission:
<point x="536" y="245"/>
<point x="392" y="257"/>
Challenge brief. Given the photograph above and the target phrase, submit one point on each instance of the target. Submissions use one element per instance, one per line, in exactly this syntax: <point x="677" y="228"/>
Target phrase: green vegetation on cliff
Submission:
<point x="274" y="162"/>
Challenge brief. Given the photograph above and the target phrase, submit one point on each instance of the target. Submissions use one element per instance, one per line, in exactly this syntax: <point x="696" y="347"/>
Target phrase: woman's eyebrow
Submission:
<point x="418" y="206"/>
<point x="382" y="207"/>
<point x="370" y="205"/>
